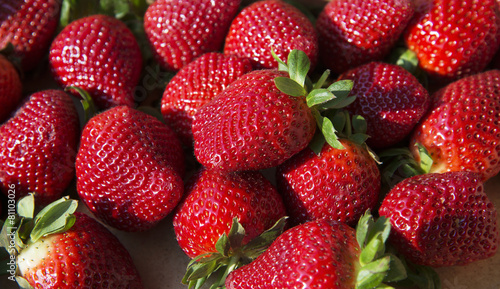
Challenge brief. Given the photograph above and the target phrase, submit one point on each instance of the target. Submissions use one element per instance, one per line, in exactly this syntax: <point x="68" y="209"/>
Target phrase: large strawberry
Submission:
<point x="100" y="54"/>
<point x="351" y="33"/>
<point x="269" y="25"/>
<point x="195" y="85"/>
<point x="454" y="38"/>
<point x="442" y="219"/>
<point x="10" y="88"/>
<point x="129" y="168"/>
<point x="38" y="146"/>
<point x="181" y="30"/>
<point x="29" y="25"/>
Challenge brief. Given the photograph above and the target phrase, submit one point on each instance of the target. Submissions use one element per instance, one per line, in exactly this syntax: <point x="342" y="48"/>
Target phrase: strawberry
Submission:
<point x="442" y="219"/>
<point x="181" y="30"/>
<point x="10" y="88"/>
<point x="352" y="33"/>
<point x="29" y="25"/>
<point x="271" y="25"/>
<point x="195" y="85"/>
<point x="460" y="132"/>
<point x="391" y="100"/>
<point x="98" y="53"/>
<point x="129" y="168"/>
<point x="38" y="146"/>
<point x="447" y="51"/>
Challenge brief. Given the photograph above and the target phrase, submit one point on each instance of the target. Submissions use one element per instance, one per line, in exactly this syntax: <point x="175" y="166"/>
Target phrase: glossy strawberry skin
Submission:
<point x="460" y="130"/>
<point x="196" y="84"/>
<point x="30" y="26"/>
<point x="181" y="30"/>
<point x="99" y="54"/>
<point x="316" y="254"/>
<point x="447" y="51"/>
<point x="129" y="169"/>
<point x="336" y="184"/>
<point x="38" y="146"/>
<point x="252" y="125"/>
<point x="442" y="219"/>
<point x="391" y="100"/>
<point x="352" y="33"/>
<point x="10" y="88"/>
<point x="86" y="256"/>
<point x="212" y="201"/>
<point x="269" y="25"/>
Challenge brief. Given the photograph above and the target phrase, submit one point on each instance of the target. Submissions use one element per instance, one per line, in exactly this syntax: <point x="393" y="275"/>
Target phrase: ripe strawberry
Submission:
<point x="391" y="100"/>
<point x="269" y="25"/>
<point x="454" y="38"/>
<point x="460" y="132"/>
<point x="10" y="88"/>
<point x="129" y="169"/>
<point x="442" y="219"/>
<point x="29" y="25"/>
<point x="38" y="146"/>
<point x="99" y="54"/>
<point x="352" y="33"/>
<point x="195" y="85"/>
<point x="181" y="30"/>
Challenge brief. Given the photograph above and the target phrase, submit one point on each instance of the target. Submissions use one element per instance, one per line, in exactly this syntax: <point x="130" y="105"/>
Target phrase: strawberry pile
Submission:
<point x="341" y="145"/>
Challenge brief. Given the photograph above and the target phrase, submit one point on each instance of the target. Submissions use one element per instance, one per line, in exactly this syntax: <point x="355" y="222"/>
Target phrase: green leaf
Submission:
<point x="202" y="270"/>
<point x="55" y="218"/>
<point x="364" y="226"/>
<point x="382" y="225"/>
<point x="289" y="86"/>
<point x="24" y="231"/>
<point x="321" y="81"/>
<point x="341" y="88"/>
<point x="397" y="270"/>
<point x="317" y="143"/>
<point x="26" y="206"/>
<point x="319" y="96"/>
<point x="359" y="124"/>
<point x="9" y="227"/>
<point x="425" y="158"/>
<point x="282" y="66"/>
<point x="258" y="245"/>
<point x="23" y="283"/>
<point x="372" y="250"/>
<point x="330" y="134"/>
<point x="222" y="245"/>
<point x="340" y="120"/>
<point x="236" y="234"/>
<point x="88" y="105"/>
<point x="372" y="274"/>
<point x="359" y="138"/>
<point x="339" y="102"/>
<point x="298" y="66"/>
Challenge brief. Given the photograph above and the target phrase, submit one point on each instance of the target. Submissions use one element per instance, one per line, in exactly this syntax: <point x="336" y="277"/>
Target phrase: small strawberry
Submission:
<point x="129" y="168"/>
<point x="195" y="85"/>
<point x="10" y="88"/>
<point x="352" y="33"/>
<point x="454" y="38"/>
<point x="442" y="219"/>
<point x="99" y="54"/>
<point x="181" y="30"/>
<point x="269" y="25"/>
<point x="38" y="146"/>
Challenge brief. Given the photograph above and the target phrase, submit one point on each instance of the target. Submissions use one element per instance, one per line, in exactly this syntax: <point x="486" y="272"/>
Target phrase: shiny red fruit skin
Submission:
<point x="99" y="54"/>
<point x="442" y="219"/>
<point x="336" y="184"/>
<point x="461" y="130"/>
<point x="196" y="84"/>
<point x="252" y="125"/>
<point x="269" y="25"/>
<point x="86" y="256"/>
<point x="317" y="254"/>
<point x="181" y="30"/>
<point x="38" y="146"/>
<point x="391" y="100"/>
<point x="10" y="88"/>
<point x="29" y="25"/>
<point x="129" y="169"/>
<point x="352" y="33"/>
<point x="447" y="51"/>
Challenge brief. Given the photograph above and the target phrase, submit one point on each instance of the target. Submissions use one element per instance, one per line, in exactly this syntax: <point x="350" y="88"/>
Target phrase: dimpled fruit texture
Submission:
<point x="129" y="168"/>
<point x="181" y="30"/>
<point x="442" y="219"/>
<point x="271" y="25"/>
<point x="38" y="146"/>
<point x="10" y="88"/>
<point x="101" y="55"/>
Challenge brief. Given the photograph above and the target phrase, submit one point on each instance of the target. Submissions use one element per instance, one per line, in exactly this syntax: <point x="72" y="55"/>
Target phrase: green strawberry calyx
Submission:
<point x="88" y="106"/>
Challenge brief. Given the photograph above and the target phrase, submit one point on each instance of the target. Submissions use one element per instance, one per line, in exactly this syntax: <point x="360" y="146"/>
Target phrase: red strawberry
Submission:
<point x="454" y="38"/>
<point x="352" y="33"/>
<point x="29" y="26"/>
<point x="391" y="100"/>
<point x="195" y="85"/>
<point x="460" y="132"/>
<point x="442" y="219"/>
<point x="129" y="168"/>
<point x="100" y="55"/>
<point x="10" y="88"/>
<point x="38" y="146"/>
<point x="181" y="30"/>
<point x="271" y="25"/>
